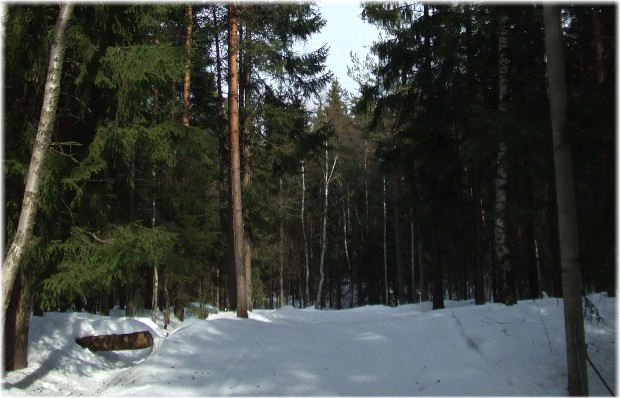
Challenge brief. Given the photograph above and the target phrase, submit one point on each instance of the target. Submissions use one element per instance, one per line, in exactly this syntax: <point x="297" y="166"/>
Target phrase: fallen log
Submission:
<point x="117" y="342"/>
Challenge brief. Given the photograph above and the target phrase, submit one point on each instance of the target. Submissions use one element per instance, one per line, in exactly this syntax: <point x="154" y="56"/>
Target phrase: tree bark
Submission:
<point x="166" y="300"/>
<point x="236" y="215"/>
<point x="479" y="296"/>
<point x="400" y="269"/>
<point x="17" y="327"/>
<point x="598" y="44"/>
<point x="32" y="192"/>
<point x="223" y="187"/>
<point x="281" y="267"/>
<point x="327" y="177"/>
<point x="567" y="210"/>
<point x="246" y="144"/>
<point x="413" y="298"/>
<point x="188" y="64"/>
<point x="303" y="231"/>
<point x="385" y="262"/>
<point x="155" y="266"/>
<point x="501" y="248"/>
<point x="117" y="342"/>
<point x="423" y="291"/>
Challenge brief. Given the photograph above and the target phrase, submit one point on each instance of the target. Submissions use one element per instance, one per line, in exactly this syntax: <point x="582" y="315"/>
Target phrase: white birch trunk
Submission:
<point x="327" y="177"/>
<point x="32" y="191"/>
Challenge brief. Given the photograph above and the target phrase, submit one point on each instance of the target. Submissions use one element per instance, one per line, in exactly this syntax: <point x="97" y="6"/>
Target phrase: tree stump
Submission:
<point x="117" y="342"/>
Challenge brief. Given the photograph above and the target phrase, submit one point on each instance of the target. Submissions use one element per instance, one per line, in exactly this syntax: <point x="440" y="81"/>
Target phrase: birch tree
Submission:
<point x="19" y="245"/>
<point x="328" y="174"/>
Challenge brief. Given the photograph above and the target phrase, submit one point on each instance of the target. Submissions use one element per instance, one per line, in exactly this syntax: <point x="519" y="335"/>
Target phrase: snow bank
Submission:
<point x="374" y="350"/>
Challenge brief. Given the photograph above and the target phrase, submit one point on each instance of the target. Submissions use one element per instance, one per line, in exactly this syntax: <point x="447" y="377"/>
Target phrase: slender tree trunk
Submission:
<point x="479" y="296"/>
<point x="34" y="177"/>
<point x="532" y="249"/>
<point x="327" y="177"/>
<point x="105" y="302"/>
<point x="567" y="209"/>
<point x="412" y="248"/>
<point x="598" y="44"/>
<point x="281" y="267"/>
<point x="303" y="231"/>
<point x="166" y="300"/>
<point x="188" y="64"/>
<point x="246" y="144"/>
<point x="400" y="269"/>
<point x="501" y="181"/>
<point x="385" y="262"/>
<point x="235" y="163"/>
<point x="155" y="266"/>
<point x="423" y="292"/>
<point x="345" y="228"/>
<point x="437" y="264"/>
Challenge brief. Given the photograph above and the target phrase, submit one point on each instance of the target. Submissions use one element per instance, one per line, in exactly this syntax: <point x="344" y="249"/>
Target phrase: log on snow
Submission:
<point x="117" y="342"/>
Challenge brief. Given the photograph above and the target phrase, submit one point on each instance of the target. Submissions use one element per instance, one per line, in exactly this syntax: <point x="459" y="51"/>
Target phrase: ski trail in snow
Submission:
<point x="468" y="340"/>
<point x="246" y="355"/>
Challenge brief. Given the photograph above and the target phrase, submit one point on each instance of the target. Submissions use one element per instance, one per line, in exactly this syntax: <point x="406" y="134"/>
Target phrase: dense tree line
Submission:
<point x="435" y="182"/>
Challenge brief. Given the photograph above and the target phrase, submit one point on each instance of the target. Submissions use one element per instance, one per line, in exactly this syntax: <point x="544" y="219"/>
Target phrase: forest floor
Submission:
<point x="410" y="350"/>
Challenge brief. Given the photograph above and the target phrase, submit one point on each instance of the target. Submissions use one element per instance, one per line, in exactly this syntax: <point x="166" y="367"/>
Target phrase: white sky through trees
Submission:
<point x="344" y="32"/>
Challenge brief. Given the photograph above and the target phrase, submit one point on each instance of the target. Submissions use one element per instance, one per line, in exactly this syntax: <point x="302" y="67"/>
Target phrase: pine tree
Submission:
<point x="567" y="212"/>
<point x="236" y="239"/>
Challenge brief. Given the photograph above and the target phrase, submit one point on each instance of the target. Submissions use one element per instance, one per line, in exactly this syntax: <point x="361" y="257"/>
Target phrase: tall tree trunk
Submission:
<point x="17" y="326"/>
<point x="400" y="269"/>
<point x="423" y="291"/>
<point x="598" y="44"/>
<point x="34" y="177"/>
<point x="327" y="177"/>
<point x="155" y="266"/>
<point x="224" y="176"/>
<point x="166" y="300"/>
<point x="281" y="267"/>
<point x="188" y="64"/>
<point x="501" y="248"/>
<point x="567" y="210"/>
<point x="236" y="216"/>
<point x="303" y="231"/>
<point x="437" y="264"/>
<point x="245" y="92"/>
<point x="479" y="297"/>
<point x="412" y="248"/>
<point x="385" y="262"/>
<point x="470" y="54"/>
<point x="129" y="300"/>
<point x="532" y="249"/>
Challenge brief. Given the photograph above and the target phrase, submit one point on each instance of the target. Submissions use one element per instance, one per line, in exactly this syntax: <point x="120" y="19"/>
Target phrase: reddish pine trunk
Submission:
<point x="235" y="163"/>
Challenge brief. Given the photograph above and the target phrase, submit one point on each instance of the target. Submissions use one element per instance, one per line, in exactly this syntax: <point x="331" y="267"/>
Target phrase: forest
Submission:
<point x="436" y="180"/>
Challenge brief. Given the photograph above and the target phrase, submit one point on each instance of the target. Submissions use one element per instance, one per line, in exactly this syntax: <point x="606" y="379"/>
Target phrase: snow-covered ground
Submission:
<point x="369" y="351"/>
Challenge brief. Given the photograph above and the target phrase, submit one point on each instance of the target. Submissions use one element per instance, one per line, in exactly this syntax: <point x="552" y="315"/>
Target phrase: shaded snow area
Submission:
<point x="369" y="351"/>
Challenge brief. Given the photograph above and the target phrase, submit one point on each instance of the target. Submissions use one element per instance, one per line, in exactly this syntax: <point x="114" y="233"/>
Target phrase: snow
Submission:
<point x="408" y="350"/>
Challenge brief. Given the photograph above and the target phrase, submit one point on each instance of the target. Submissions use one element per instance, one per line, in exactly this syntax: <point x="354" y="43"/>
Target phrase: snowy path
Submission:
<point x="370" y="351"/>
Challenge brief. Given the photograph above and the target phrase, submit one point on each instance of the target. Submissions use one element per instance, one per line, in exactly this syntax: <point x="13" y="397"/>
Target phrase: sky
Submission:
<point x="344" y="32"/>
